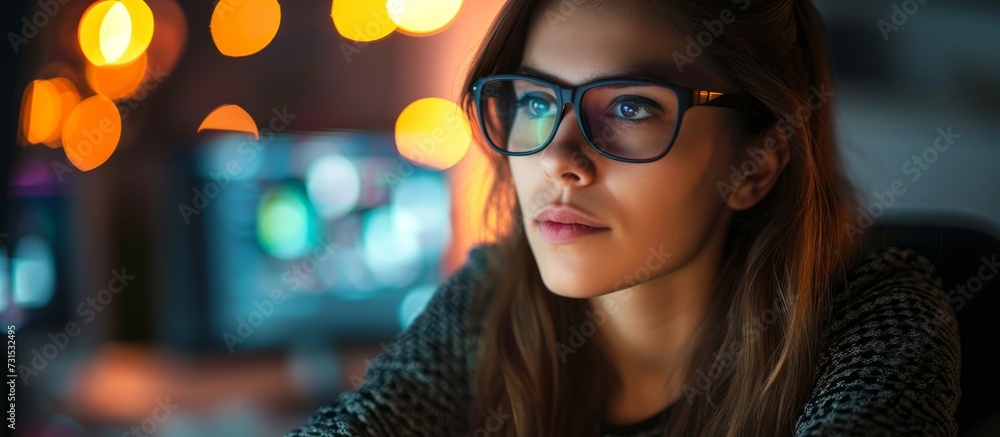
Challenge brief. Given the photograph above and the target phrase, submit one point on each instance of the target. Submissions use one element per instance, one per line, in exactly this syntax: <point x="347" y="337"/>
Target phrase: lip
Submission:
<point x="564" y="224"/>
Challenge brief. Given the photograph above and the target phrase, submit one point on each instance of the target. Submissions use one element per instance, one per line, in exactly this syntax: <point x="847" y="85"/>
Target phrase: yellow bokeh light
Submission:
<point x="230" y="118"/>
<point x="117" y="81"/>
<point x="423" y="16"/>
<point x="362" y="20"/>
<point x="244" y="27"/>
<point x="91" y="132"/>
<point x="433" y="132"/>
<point x="115" y="32"/>
<point x="41" y="112"/>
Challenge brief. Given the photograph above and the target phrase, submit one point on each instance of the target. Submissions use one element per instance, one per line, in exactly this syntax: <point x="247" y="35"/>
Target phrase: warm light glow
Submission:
<point x="91" y="132"/>
<point x="244" y="27"/>
<point x="117" y="82"/>
<point x="363" y="20"/>
<point x="171" y="35"/>
<point x="423" y="16"/>
<point x="70" y="97"/>
<point x="41" y="111"/>
<point x="433" y="132"/>
<point x="115" y="32"/>
<point x="471" y="181"/>
<point x="230" y="118"/>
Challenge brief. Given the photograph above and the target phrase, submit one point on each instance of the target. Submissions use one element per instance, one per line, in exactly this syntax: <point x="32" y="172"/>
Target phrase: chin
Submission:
<point x="571" y="283"/>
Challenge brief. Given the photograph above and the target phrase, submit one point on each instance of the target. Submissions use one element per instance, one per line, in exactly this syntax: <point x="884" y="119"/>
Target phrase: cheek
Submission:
<point x="525" y="178"/>
<point x="532" y="189"/>
<point x="673" y="202"/>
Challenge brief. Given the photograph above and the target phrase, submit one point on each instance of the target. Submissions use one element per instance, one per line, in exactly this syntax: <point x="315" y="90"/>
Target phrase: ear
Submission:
<point x="760" y="170"/>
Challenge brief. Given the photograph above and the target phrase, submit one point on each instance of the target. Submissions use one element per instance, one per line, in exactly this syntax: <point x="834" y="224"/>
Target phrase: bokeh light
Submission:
<point x="230" y="118"/>
<point x="170" y="37"/>
<point x="4" y="279"/>
<point x="391" y="254"/>
<point x="34" y="272"/>
<point x="115" y="32"/>
<point x="285" y="226"/>
<point x="117" y="82"/>
<point x="245" y="27"/>
<point x="423" y="16"/>
<point x="433" y="132"/>
<point x="220" y="151"/>
<point x="422" y="207"/>
<point x="41" y="111"/>
<point x="70" y="97"/>
<point x="334" y="185"/>
<point x="363" y="20"/>
<point x="414" y="303"/>
<point x="91" y="132"/>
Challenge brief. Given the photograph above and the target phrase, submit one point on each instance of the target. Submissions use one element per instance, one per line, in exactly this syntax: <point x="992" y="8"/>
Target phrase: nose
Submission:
<point x="568" y="160"/>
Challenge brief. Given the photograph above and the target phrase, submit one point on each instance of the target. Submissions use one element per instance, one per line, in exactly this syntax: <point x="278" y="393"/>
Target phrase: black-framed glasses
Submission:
<point x="623" y="119"/>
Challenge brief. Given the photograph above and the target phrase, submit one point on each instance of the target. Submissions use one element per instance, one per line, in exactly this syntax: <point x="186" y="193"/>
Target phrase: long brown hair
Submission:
<point x="784" y="257"/>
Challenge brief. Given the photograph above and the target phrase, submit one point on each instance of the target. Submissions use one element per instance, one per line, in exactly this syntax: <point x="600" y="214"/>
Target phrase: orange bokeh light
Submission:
<point x="117" y="82"/>
<point x="41" y="111"/>
<point x="244" y="27"/>
<point x="69" y="97"/>
<point x="92" y="132"/>
<point x="230" y="118"/>
<point x="423" y="17"/>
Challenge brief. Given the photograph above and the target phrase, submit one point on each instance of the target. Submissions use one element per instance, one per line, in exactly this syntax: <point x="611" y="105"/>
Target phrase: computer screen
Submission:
<point x="316" y="236"/>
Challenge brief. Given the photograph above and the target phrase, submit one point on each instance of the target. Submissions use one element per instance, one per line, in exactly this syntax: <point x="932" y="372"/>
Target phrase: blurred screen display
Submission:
<point x="318" y="235"/>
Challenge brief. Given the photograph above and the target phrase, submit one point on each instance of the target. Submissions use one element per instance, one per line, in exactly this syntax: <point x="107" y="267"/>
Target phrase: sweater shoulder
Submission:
<point x="889" y="360"/>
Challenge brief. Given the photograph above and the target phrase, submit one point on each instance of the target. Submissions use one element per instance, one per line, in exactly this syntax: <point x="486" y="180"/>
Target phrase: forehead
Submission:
<point x="575" y="42"/>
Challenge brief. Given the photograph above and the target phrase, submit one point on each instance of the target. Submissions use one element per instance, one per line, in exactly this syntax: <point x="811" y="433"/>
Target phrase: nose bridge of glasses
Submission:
<point x="566" y="97"/>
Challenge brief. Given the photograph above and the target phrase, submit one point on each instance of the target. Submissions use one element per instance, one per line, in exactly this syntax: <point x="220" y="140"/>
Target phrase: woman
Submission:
<point x="679" y="253"/>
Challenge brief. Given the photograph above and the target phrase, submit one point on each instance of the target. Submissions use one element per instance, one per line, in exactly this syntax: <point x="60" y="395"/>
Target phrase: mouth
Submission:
<point x="559" y="224"/>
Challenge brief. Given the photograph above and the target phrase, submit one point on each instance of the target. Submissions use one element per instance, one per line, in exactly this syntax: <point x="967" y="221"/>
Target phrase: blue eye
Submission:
<point x="537" y="106"/>
<point x="631" y="110"/>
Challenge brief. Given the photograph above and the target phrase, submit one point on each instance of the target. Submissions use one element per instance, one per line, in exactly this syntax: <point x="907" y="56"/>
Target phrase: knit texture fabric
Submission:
<point x="889" y="363"/>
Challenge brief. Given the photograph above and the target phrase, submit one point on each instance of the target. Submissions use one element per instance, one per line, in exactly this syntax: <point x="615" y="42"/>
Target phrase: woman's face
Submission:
<point x="661" y="215"/>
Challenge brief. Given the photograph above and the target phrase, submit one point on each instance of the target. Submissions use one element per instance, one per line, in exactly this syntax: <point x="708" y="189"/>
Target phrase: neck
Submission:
<point x="649" y="332"/>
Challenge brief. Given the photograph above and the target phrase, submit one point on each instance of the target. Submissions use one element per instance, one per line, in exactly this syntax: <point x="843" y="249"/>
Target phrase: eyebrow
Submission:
<point x="631" y="72"/>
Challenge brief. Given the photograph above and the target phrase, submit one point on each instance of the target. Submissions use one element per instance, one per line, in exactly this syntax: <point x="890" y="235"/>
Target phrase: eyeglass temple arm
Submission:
<point x="741" y="102"/>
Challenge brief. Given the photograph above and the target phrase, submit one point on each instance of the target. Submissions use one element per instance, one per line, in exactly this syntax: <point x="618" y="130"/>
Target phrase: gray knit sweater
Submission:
<point x="889" y="363"/>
